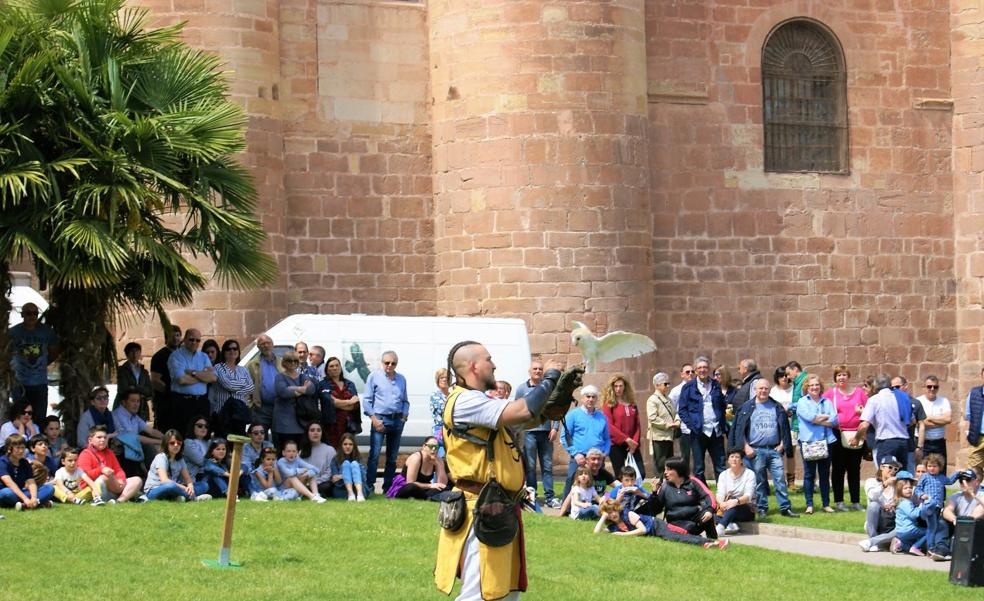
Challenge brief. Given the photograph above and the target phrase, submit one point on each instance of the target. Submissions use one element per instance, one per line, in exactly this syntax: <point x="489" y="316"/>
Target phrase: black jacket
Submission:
<point x="744" y="393"/>
<point x="684" y="504"/>
<point x="743" y="420"/>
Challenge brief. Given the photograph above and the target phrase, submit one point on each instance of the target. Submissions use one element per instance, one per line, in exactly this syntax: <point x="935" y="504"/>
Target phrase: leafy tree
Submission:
<point x="117" y="171"/>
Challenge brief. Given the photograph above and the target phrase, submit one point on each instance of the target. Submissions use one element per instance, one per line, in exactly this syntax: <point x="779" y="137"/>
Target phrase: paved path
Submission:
<point x="838" y="550"/>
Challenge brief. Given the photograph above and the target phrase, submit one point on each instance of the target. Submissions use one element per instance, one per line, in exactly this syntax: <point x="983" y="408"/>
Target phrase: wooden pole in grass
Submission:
<point x="230" y="507"/>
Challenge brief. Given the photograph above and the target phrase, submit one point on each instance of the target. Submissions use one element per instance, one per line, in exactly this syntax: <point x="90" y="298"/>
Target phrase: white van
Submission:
<point x="422" y="344"/>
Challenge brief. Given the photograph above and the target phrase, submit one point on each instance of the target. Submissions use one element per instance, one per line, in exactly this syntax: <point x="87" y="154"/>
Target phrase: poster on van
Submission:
<point x="359" y="359"/>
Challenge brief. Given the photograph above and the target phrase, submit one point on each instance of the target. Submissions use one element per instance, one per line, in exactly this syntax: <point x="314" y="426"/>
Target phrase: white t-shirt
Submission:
<point x="73" y="481"/>
<point x="475" y="408"/>
<point x="935" y="408"/>
<point x="675" y="397"/>
<point x="783" y="397"/>
<point x="582" y="495"/>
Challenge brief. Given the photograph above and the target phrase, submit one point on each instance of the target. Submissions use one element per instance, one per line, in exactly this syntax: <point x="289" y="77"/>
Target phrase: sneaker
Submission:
<point x="732" y="528"/>
<point x="856" y="507"/>
<point x="916" y="551"/>
<point x="205" y="497"/>
<point x="98" y="502"/>
<point x="259" y="496"/>
<point x="351" y="497"/>
<point x="79" y="501"/>
<point x="865" y="545"/>
<point x="554" y="503"/>
<point x="761" y="513"/>
<point x="46" y="505"/>
<point x="141" y="499"/>
<point x="720" y="530"/>
<point x="111" y="502"/>
<point x="723" y="544"/>
<point x="936" y="556"/>
<point x="896" y="546"/>
<point x="840" y="507"/>
<point x="319" y="499"/>
<point x="789" y="513"/>
<point x="359" y="498"/>
<point x="279" y="498"/>
<point x="828" y="509"/>
<point x="181" y="499"/>
<point x="18" y="506"/>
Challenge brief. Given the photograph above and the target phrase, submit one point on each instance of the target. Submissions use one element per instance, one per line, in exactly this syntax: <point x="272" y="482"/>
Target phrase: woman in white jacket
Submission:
<point x="735" y="495"/>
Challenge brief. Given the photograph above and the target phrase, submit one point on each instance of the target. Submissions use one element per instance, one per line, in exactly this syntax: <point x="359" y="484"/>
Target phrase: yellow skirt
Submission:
<point x="503" y="569"/>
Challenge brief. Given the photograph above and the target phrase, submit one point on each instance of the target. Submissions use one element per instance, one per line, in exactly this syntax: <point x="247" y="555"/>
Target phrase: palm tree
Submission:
<point x="120" y="169"/>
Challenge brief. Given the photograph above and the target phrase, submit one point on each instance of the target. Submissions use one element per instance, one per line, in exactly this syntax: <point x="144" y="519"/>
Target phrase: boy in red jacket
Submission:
<point x="97" y="460"/>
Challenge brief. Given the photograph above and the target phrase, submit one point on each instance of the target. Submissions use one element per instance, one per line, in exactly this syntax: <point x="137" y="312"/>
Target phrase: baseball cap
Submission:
<point x="904" y="475"/>
<point x="966" y="475"/>
<point x="890" y="460"/>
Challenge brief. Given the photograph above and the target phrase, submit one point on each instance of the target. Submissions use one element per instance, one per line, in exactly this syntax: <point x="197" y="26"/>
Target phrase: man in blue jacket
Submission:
<point x="761" y="430"/>
<point x="702" y="408"/>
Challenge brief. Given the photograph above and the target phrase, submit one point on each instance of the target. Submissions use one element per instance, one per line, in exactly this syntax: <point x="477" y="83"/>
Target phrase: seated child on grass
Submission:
<point x="39" y="451"/>
<point x="909" y="535"/>
<point x="298" y="475"/>
<point x="347" y="472"/>
<point x="265" y="477"/>
<point x="583" y="497"/>
<point x="627" y="491"/>
<point x="19" y="489"/>
<point x="168" y="477"/>
<point x="71" y="484"/>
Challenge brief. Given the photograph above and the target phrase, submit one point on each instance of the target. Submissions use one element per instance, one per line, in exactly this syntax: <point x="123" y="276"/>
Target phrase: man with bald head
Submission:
<point x="191" y="373"/>
<point x="264" y="368"/>
<point x="471" y="420"/>
<point x="34" y="346"/>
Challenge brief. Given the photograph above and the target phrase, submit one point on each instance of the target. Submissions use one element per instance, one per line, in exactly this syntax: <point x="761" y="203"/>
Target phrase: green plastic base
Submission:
<point x="213" y="563"/>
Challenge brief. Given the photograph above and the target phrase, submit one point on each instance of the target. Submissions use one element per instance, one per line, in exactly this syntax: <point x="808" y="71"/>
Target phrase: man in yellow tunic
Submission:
<point x="470" y="417"/>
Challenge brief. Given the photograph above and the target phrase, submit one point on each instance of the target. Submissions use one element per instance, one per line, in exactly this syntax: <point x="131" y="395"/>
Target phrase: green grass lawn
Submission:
<point x="385" y="550"/>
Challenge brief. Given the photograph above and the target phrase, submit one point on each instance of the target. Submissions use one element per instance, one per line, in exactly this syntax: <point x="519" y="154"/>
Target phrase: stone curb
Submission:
<point x="802" y="533"/>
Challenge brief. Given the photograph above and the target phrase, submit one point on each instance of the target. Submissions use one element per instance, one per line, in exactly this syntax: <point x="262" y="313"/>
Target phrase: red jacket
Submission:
<point x="623" y="422"/>
<point x="92" y="463"/>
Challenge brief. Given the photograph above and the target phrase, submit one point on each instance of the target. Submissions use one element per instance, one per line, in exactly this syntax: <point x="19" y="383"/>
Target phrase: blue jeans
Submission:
<point x="914" y="538"/>
<point x="811" y="469"/>
<point x="699" y="443"/>
<point x="769" y="461"/>
<point x="217" y="485"/>
<point x="392" y="433"/>
<point x="173" y="490"/>
<point x="933" y="519"/>
<point x="539" y="446"/>
<point x="589" y="513"/>
<point x="738" y="513"/>
<point x="9" y="498"/>
<point x="351" y="472"/>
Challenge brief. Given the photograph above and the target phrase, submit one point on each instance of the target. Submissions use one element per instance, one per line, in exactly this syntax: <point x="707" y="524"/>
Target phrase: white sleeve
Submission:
<point x="474" y="408"/>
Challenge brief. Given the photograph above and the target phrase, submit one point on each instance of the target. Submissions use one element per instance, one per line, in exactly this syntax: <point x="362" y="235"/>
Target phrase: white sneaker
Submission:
<point x="732" y="528"/>
<point x="359" y="498"/>
<point x="205" y="497"/>
<point x="180" y="499"/>
<point x="279" y="498"/>
<point x="865" y="545"/>
<point x="259" y="496"/>
<point x="319" y="499"/>
<point x="351" y="497"/>
<point x="720" y="530"/>
<point x="112" y="502"/>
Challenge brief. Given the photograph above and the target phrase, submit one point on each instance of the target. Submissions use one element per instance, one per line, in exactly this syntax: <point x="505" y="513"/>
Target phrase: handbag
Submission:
<point x="847" y="440"/>
<point x="353" y="423"/>
<point x="815" y="451"/>
<point x="496" y="515"/>
<point x="451" y="513"/>
<point x="631" y="462"/>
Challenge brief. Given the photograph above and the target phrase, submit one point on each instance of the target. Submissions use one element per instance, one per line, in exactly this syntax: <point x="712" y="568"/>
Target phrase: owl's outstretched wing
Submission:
<point x="620" y="345"/>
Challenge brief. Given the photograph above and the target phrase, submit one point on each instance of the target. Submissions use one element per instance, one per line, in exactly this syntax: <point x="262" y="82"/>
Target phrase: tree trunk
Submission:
<point x="80" y="319"/>
<point x="6" y="374"/>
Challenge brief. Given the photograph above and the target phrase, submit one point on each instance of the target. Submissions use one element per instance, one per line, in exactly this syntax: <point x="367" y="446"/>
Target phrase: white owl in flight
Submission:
<point x="610" y="347"/>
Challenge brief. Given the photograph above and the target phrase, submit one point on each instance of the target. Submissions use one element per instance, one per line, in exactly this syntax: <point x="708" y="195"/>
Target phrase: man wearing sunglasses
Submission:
<point x="388" y="406"/>
<point x="34" y="346"/>
<point x="191" y="373"/>
<point x="938" y="415"/>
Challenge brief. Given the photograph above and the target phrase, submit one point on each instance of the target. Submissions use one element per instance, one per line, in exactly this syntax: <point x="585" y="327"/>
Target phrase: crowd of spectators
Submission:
<point x="164" y="440"/>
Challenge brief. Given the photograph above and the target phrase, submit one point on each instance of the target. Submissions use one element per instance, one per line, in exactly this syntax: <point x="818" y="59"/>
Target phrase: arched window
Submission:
<point x="804" y="93"/>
